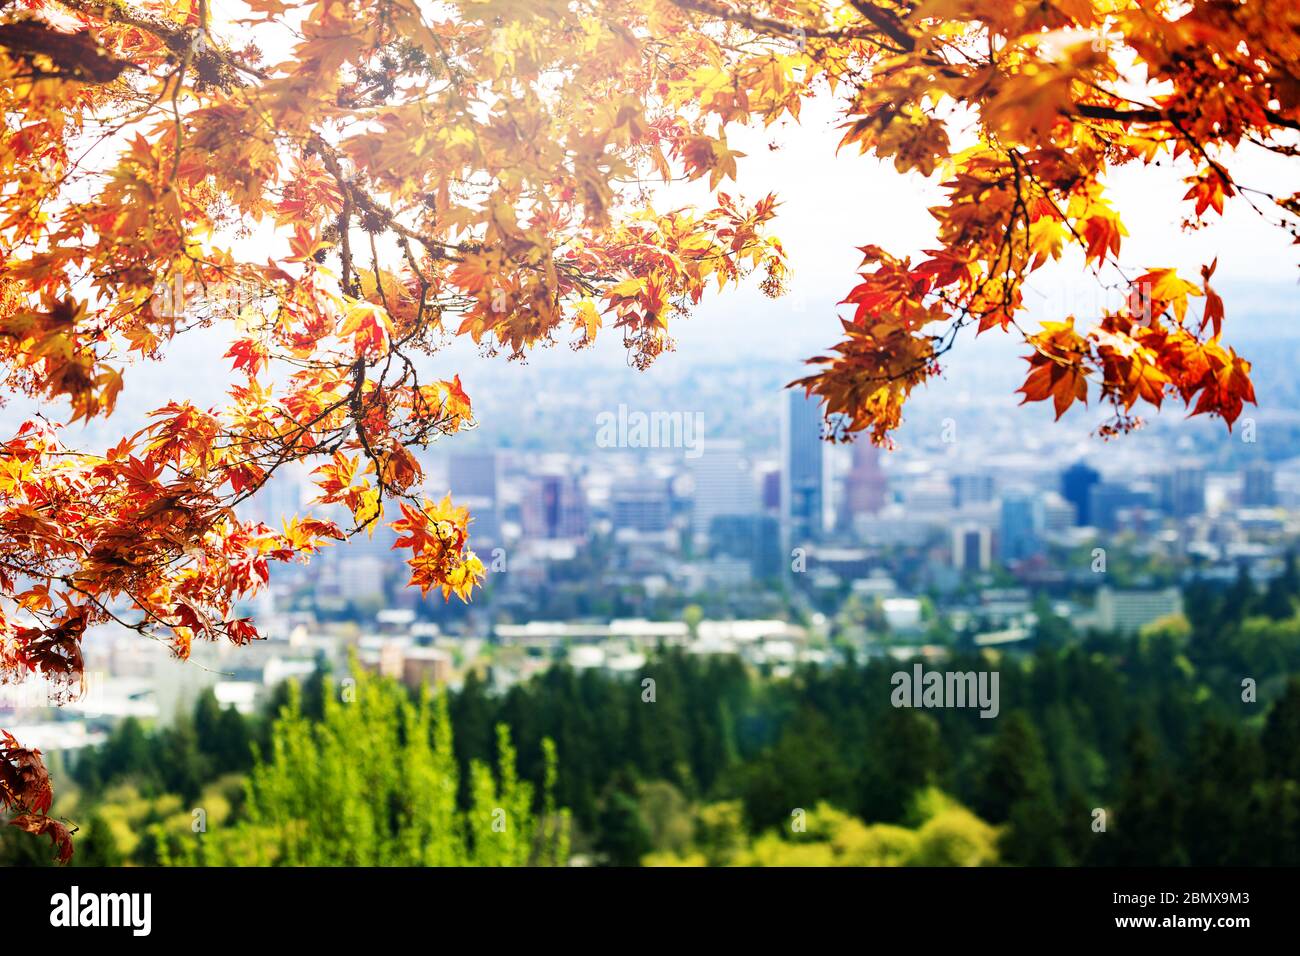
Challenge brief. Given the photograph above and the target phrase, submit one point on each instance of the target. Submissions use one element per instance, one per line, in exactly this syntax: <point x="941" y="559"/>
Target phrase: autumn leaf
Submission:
<point x="1057" y="369"/>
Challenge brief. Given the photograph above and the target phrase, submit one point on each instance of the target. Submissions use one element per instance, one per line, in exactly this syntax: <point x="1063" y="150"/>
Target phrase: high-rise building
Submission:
<point x="1258" y="486"/>
<point x="1053" y="514"/>
<point x="472" y="478"/>
<point x="554" y="507"/>
<point x="865" y="486"/>
<point x="754" y="538"/>
<point x="1108" y="502"/>
<point x="929" y="495"/>
<point x="724" y="484"/>
<point x="1018" y="538"/>
<point x="278" y="500"/>
<point x="1076" y="488"/>
<point x="361" y="577"/>
<point x="972" y="548"/>
<point x="972" y="488"/>
<point x="473" y="474"/>
<point x="375" y="542"/>
<point x="1182" y="491"/>
<point x="640" y="506"/>
<point x="769" y="483"/>
<point x="803" y="472"/>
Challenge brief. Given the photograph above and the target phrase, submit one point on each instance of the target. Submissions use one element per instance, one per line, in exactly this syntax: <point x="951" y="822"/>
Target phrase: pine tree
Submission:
<point x="904" y="754"/>
<point x="623" y="837"/>
<point x="1017" y="790"/>
<point x="1281" y="735"/>
<point x="1280" y="596"/>
<point x="1146" y="827"/>
<point x="98" y="847"/>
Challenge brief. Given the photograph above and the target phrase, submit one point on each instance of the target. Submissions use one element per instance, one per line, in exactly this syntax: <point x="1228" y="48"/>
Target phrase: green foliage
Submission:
<point x="945" y="834"/>
<point x="375" y="783"/>
<point x="99" y="846"/>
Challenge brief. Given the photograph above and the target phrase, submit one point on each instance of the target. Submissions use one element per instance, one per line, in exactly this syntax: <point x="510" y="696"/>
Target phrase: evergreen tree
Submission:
<point x="98" y="847"/>
<point x="904" y="755"/>
<point x="1216" y="784"/>
<point x="207" y="716"/>
<point x="234" y="742"/>
<point x="1017" y="790"/>
<point x="1281" y="734"/>
<point x="182" y="768"/>
<point x="1280" y="596"/>
<point x="1146" y="826"/>
<point x="624" y="839"/>
<point x="1242" y="597"/>
<point x="803" y="768"/>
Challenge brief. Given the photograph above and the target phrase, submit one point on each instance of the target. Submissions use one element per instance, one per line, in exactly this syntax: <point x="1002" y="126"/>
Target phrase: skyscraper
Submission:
<point x="1110" y="502"/>
<point x="472" y="479"/>
<point x="769" y="489"/>
<point x="1053" y="513"/>
<point x="1018" y="538"/>
<point x="724" y="484"/>
<point x="554" y="507"/>
<point x="802" y="468"/>
<point x="865" y="485"/>
<point x="1076" y="487"/>
<point x="972" y="548"/>
<point x="641" y="505"/>
<point x="1182" y="491"/>
<point x="473" y="474"/>
<point x="1258" y="487"/>
<point x="754" y="538"/>
<point x="972" y="488"/>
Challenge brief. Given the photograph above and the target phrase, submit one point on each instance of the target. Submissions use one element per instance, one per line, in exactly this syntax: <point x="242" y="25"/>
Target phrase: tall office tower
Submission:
<point x="1018" y="538"/>
<point x="1076" y="488"/>
<point x="972" y="488"/>
<point x="472" y="479"/>
<point x="1182" y="491"/>
<point x="724" y="484"/>
<point x="1053" y="514"/>
<point x="769" y="484"/>
<point x="1258" y="488"/>
<point x="754" y="538"/>
<point x="554" y="507"/>
<point x="972" y="548"/>
<point x="865" y="486"/>
<point x="473" y="474"/>
<point x="929" y="495"/>
<point x="641" y="505"/>
<point x="803" y="472"/>
<point x="1110" y="502"/>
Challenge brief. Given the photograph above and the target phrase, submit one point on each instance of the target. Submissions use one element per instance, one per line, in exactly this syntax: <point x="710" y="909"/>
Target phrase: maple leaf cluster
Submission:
<point x="1057" y="95"/>
<point x="26" y="792"/>
<point x="346" y="186"/>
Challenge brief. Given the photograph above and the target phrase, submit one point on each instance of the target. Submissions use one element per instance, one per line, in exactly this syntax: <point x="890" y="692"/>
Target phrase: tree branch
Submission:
<point x="887" y="23"/>
<point x="771" y="27"/>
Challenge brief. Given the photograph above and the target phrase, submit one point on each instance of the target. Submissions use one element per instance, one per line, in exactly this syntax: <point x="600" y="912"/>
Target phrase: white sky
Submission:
<point x="832" y="204"/>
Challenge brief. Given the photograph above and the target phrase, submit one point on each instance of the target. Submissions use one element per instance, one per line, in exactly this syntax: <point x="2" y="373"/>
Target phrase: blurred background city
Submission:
<point x="768" y="582"/>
